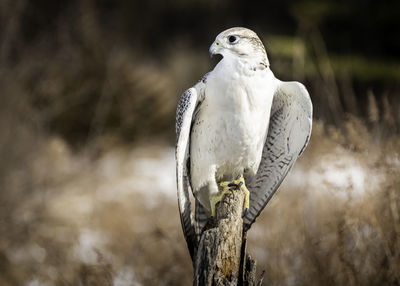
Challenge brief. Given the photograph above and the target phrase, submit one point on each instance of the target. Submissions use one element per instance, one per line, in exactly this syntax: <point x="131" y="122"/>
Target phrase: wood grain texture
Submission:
<point x="221" y="256"/>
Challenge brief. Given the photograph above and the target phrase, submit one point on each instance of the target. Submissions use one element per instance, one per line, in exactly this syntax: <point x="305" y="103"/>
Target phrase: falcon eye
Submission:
<point x="232" y="39"/>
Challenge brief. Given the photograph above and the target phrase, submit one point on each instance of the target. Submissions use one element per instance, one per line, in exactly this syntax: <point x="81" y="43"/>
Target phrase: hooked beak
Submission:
<point x="215" y="48"/>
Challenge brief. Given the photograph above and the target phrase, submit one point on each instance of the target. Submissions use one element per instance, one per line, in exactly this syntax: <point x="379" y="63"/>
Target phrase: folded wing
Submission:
<point x="288" y="134"/>
<point x="185" y="113"/>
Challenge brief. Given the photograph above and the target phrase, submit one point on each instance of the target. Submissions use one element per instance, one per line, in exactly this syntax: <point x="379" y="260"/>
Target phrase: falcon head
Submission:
<point x="239" y="42"/>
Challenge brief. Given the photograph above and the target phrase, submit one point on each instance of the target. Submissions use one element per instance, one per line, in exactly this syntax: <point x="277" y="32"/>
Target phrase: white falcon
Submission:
<point x="237" y="124"/>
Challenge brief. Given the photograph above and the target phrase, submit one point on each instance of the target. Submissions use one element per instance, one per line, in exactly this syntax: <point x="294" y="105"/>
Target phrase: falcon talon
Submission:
<point x="236" y="186"/>
<point x="216" y="198"/>
<point x="224" y="184"/>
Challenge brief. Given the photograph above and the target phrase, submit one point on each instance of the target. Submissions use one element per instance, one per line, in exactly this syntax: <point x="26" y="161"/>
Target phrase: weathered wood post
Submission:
<point x="221" y="257"/>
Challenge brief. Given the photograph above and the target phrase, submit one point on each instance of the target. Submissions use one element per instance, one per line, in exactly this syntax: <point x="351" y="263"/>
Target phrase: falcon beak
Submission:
<point x="215" y="48"/>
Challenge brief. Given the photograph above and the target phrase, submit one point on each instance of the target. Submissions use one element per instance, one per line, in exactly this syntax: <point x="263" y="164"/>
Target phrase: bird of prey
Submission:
<point x="239" y="125"/>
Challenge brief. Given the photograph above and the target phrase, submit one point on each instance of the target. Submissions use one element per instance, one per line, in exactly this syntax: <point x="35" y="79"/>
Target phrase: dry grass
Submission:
<point x="87" y="194"/>
<point x="338" y="231"/>
<point x="68" y="219"/>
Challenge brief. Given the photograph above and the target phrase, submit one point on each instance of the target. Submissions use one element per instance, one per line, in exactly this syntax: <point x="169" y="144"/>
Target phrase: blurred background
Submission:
<point x="88" y="92"/>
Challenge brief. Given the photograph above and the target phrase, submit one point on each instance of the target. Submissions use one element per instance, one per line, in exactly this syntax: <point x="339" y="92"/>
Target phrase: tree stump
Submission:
<point x="221" y="258"/>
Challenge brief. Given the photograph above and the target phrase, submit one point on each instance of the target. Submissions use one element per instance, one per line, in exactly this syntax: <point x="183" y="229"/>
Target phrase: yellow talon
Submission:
<point x="241" y="184"/>
<point x="216" y="198"/>
<point x="227" y="187"/>
<point x="225" y="184"/>
<point x="238" y="181"/>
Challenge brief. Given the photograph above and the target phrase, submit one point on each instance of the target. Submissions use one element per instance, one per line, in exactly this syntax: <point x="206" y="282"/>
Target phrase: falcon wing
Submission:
<point x="185" y="114"/>
<point x="288" y="134"/>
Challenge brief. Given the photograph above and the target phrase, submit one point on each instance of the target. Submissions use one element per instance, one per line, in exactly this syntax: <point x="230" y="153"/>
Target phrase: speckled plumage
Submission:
<point x="239" y="119"/>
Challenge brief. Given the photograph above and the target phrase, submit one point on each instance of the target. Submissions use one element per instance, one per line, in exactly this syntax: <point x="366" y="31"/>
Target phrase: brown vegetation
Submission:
<point x="87" y="186"/>
<point x="71" y="220"/>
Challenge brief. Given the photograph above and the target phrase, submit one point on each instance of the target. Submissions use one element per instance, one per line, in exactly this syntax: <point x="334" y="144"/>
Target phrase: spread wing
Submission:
<point x="288" y="134"/>
<point x="187" y="106"/>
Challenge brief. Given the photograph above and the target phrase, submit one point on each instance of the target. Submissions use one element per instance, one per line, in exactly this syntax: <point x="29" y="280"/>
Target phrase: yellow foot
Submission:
<point x="216" y="198"/>
<point x="228" y="187"/>
<point x="240" y="184"/>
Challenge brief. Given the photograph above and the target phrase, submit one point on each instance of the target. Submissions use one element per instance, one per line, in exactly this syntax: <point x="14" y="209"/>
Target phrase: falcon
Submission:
<point x="238" y="126"/>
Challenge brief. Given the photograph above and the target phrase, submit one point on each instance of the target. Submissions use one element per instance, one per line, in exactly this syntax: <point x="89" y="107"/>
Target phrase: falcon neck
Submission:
<point x="243" y="65"/>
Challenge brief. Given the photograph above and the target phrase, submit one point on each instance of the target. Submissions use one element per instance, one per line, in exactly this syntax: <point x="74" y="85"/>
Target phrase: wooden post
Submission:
<point x="221" y="258"/>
